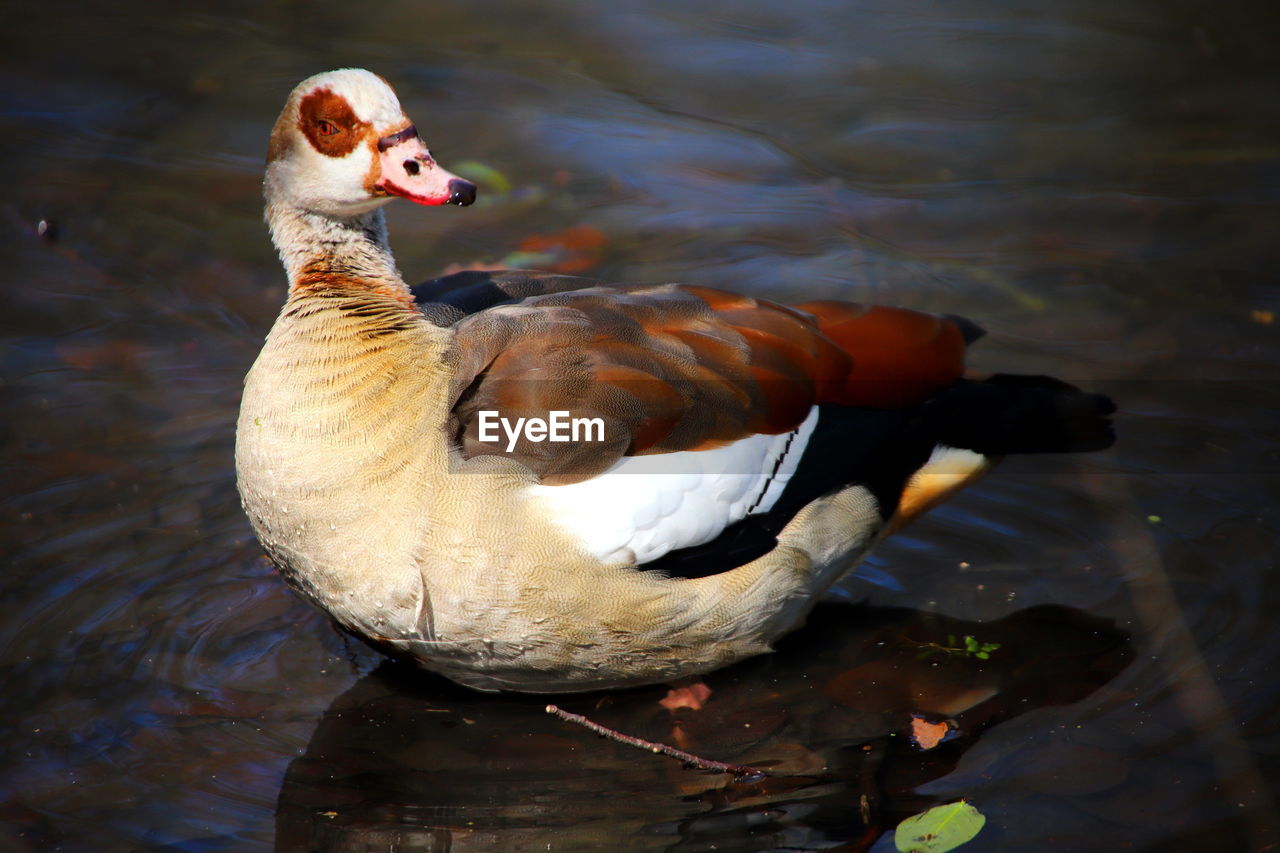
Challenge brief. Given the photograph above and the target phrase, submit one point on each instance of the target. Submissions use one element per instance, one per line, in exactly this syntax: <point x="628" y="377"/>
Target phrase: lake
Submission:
<point x="1097" y="184"/>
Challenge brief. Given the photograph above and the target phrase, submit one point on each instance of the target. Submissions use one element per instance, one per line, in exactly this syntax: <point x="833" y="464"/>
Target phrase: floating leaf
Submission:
<point x="574" y="250"/>
<point x="686" y="696"/>
<point x="575" y="238"/>
<point x="926" y="734"/>
<point x="528" y="261"/>
<point x="489" y="178"/>
<point x="939" y="829"/>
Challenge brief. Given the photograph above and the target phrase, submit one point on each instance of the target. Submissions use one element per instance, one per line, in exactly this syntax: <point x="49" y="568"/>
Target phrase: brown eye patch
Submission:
<point x="329" y="123"/>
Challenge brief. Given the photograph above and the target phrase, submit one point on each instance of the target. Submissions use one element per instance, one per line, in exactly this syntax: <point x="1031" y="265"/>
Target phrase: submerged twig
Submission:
<point x="749" y="774"/>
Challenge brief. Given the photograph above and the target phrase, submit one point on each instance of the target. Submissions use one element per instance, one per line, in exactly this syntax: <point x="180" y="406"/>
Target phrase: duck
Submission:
<point x="542" y="483"/>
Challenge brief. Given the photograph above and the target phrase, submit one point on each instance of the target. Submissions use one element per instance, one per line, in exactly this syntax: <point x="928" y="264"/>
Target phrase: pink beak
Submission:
<point x="409" y="171"/>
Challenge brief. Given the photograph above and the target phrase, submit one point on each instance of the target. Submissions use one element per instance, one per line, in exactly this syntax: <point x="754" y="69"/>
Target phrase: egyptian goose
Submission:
<point x="694" y="468"/>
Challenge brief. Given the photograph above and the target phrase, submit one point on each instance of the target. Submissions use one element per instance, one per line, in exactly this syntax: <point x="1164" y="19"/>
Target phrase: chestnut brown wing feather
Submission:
<point x="672" y="368"/>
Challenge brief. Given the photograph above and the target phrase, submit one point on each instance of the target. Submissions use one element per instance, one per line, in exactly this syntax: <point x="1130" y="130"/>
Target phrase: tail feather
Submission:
<point x="969" y="330"/>
<point x="1010" y="413"/>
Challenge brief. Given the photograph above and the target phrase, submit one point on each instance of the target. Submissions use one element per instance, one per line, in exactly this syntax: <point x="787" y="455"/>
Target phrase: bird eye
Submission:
<point x="326" y="128"/>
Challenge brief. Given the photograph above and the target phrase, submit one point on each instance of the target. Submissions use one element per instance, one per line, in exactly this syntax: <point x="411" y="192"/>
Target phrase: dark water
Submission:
<point x="1094" y="182"/>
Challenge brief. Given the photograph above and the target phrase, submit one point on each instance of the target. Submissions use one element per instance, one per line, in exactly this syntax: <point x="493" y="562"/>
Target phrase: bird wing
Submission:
<point x="673" y="368"/>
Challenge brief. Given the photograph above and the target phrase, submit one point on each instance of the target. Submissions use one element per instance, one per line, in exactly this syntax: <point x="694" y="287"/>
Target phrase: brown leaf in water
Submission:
<point x="926" y="734"/>
<point x="576" y="249"/>
<point x="691" y="696"/>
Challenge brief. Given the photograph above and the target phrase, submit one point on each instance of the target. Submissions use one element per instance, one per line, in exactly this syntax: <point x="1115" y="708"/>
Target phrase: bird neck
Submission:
<point x="319" y="249"/>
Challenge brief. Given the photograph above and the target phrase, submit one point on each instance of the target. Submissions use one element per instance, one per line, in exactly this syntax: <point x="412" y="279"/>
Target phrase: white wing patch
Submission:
<point x="646" y="506"/>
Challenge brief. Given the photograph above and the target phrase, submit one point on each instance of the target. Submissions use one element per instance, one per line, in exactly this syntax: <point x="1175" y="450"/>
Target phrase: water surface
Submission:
<point x="1095" y="183"/>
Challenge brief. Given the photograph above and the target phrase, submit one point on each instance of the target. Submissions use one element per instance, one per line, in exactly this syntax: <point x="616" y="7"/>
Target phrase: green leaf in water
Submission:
<point x="528" y="260"/>
<point x="489" y="178"/>
<point x="939" y="829"/>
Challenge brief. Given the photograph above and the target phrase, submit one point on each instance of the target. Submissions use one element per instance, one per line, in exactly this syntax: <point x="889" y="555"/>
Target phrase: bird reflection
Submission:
<point x="408" y="761"/>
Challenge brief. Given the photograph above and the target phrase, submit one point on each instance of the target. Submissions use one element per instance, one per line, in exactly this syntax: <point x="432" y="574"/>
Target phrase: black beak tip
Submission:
<point x="461" y="192"/>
